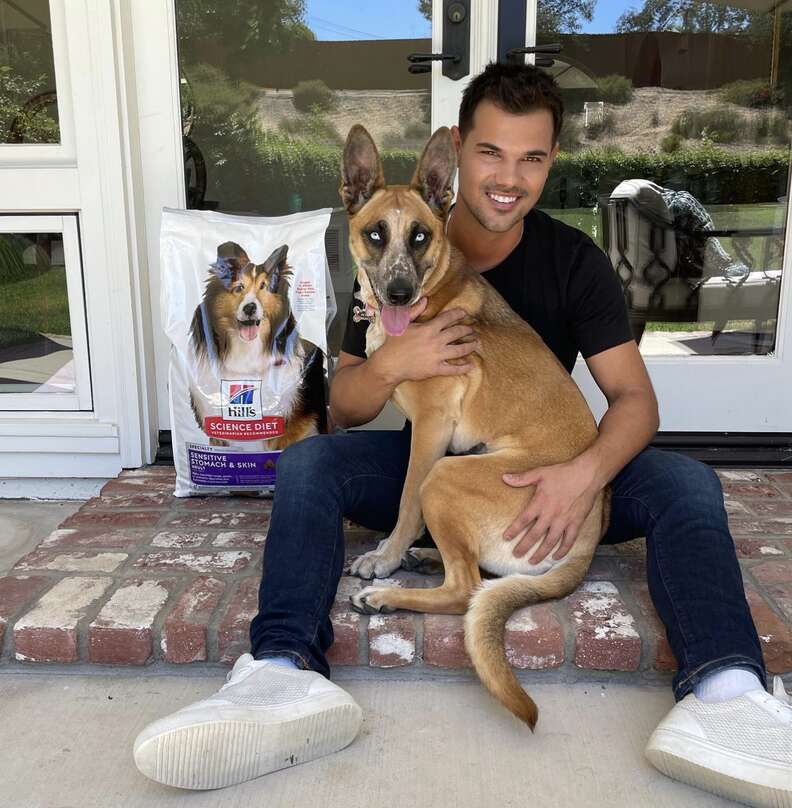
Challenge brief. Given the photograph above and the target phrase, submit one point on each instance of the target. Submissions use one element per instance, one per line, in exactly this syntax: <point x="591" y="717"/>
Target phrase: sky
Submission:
<point x="399" y="19"/>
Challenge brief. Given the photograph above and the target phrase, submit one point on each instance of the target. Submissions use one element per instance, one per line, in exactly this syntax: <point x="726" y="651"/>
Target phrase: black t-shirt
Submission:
<point x="558" y="281"/>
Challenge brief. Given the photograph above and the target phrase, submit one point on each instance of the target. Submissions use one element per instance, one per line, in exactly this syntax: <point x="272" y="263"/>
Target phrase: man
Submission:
<point x="278" y="704"/>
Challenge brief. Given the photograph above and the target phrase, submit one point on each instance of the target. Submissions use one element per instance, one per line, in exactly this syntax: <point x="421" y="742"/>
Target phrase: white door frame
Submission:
<point x="714" y="393"/>
<point x="157" y="72"/>
<point x="91" y="173"/>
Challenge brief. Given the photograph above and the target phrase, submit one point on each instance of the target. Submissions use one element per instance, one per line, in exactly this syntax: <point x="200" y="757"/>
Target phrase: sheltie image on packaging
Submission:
<point x="246" y="303"/>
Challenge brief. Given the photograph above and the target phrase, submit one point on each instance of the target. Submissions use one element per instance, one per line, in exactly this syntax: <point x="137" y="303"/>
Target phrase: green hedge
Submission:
<point x="289" y="166"/>
<point x="713" y="175"/>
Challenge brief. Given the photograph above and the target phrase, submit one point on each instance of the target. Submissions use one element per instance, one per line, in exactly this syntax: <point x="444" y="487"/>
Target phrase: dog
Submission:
<point x="517" y="407"/>
<point x="244" y="329"/>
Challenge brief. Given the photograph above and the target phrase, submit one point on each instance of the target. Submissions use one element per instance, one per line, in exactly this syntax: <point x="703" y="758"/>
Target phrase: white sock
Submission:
<point x="286" y="661"/>
<point x="726" y="684"/>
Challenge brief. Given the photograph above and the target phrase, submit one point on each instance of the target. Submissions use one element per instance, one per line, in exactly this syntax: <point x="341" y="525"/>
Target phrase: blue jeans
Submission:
<point x="673" y="500"/>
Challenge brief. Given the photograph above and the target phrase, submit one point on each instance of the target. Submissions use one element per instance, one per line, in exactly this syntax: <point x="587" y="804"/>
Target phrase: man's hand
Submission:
<point x="564" y="496"/>
<point x="424" y="349"/>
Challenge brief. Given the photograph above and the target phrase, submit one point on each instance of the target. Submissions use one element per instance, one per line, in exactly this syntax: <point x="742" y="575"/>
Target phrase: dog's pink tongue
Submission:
<point x="395" y="319"/>
<point x="248" y="332"/>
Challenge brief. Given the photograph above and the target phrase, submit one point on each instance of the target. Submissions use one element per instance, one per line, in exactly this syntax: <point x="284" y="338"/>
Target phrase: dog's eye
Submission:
<point x="375" y="236"/>
<point x="419" y="238"/>
<point x="238" y="288"/>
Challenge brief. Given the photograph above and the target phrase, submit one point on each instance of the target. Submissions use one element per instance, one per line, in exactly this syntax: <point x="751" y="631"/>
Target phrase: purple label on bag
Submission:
<point x="219" y="467"/>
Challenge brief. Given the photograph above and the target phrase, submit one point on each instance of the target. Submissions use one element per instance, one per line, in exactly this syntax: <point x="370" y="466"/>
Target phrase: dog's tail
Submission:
<point x="485" y="627"/>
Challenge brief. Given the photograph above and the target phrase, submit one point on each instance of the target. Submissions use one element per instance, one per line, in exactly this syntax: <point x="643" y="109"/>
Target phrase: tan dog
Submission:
<point x="518" y="401"/>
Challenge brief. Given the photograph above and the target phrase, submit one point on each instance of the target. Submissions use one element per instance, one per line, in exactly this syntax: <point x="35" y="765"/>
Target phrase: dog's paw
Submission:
<point x="371" y="600"/>
<point x="425" y="560"/>
<point x="374" y="564"/>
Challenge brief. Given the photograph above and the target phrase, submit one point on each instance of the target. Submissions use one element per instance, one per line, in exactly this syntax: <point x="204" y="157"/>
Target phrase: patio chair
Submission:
<point x="663" y="269"/>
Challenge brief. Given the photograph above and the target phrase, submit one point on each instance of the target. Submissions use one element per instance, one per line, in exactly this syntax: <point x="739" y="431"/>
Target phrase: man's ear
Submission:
<point x="362" y="173"/>
<point x="434" y="175"/>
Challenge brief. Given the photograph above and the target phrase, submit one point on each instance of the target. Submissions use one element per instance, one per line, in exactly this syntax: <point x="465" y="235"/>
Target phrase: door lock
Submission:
<point x="456" y="13"/>
<point x="456" y="43"/>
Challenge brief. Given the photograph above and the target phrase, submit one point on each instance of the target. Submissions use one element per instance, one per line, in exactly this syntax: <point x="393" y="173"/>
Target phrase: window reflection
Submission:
<point x="675" y="155"/>
<point x="28" y="100"/>
<point x="269" y="90"/>
<point x="35" y="329"/>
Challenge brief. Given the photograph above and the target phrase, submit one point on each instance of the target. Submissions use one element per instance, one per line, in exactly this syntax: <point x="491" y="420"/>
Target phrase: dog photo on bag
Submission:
<point x="246" y="303"/>
<point x="244" y="329"/>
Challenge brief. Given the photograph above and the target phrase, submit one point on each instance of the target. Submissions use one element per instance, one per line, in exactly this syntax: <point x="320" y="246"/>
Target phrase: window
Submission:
<point x="43" y="345"/>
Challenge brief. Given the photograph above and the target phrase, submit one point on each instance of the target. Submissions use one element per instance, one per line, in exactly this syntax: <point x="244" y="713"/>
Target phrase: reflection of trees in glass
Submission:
<point x="28" y="113"/>
<point x="564" y="16"/>
<point x="25" y="109"/>
<point x="693" y="16"/>
<point x="425" y="8"/>
<point x="244" y="24"/>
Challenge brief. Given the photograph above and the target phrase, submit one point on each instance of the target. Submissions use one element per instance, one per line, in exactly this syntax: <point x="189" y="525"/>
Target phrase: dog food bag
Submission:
<point x="246" y="303"/>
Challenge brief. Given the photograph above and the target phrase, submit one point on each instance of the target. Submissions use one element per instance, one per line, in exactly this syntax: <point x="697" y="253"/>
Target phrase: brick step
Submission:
<point x="137" y="576"/>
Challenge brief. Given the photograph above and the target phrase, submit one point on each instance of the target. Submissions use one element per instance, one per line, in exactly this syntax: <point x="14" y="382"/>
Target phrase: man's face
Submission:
<point x="504" y="161"/>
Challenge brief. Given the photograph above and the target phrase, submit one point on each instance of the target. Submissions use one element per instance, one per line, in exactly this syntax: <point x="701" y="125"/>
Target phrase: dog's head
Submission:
<point x="397" y="233"/>
<point x="245" y="299"/>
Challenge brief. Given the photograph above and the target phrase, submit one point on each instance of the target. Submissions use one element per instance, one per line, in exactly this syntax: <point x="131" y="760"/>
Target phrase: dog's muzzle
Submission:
<point x="399" y="292"/>
<point x="248" y="329"/>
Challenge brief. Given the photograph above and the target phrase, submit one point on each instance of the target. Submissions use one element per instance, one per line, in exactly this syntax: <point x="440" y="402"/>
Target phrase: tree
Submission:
<point x="692" y="16"/>
<point x="248" y="24"/>
<point x="563" y="16"/>
<point x="553" y="17"/>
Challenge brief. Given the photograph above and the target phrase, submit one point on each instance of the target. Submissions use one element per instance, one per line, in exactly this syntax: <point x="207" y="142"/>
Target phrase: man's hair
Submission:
<point x="515" y="88"/>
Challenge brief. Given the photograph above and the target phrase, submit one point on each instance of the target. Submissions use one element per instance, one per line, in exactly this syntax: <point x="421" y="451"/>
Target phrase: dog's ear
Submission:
<point x="434" y="174"/>
<point x="276" y="267"/>
<point x="231" y="260"/>
<point x="362" y="172"/>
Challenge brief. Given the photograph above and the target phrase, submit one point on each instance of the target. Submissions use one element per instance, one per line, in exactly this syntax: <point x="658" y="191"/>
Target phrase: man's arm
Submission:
<point x="358" y="391"/>
<point x="631" y="420"/>
<point x="566" y="492"/>
<point x="360" y="387"/>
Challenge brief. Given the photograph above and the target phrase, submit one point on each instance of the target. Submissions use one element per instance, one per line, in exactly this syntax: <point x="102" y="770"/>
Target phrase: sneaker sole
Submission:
<point x="665" y="751"/>
<point x="222" y="753"/>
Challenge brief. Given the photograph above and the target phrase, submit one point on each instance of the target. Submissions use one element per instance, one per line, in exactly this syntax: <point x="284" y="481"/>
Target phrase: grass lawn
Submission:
<point x="35" y="305"/>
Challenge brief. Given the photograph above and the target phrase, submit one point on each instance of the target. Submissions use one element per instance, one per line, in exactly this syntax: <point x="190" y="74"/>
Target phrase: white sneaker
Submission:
<point x="740" y="749"/>
<point x="266" y="717"/>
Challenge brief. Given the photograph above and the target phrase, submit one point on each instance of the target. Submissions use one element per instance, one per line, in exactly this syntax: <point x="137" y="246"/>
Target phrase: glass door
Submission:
<point x="675" y="160"/>
<point x="267" y="91"/>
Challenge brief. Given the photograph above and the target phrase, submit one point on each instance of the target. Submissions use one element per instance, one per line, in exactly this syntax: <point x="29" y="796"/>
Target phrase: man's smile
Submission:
<point x="505" y="202"/>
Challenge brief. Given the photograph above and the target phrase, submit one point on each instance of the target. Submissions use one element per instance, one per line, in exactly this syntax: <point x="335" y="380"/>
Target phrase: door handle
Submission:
<point x="432" y="57"/>
<point x="419" y="61"/>
<point x="540" y="60"/>
<point x="456" y="43"/>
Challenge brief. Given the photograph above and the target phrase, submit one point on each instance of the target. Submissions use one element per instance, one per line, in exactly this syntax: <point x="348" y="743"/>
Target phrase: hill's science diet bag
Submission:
<point x="246" y="303"/>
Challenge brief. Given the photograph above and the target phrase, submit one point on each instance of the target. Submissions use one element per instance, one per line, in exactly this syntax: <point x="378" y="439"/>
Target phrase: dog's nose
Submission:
<point x="399" y="292"/>
<point x="249" y="309"/>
